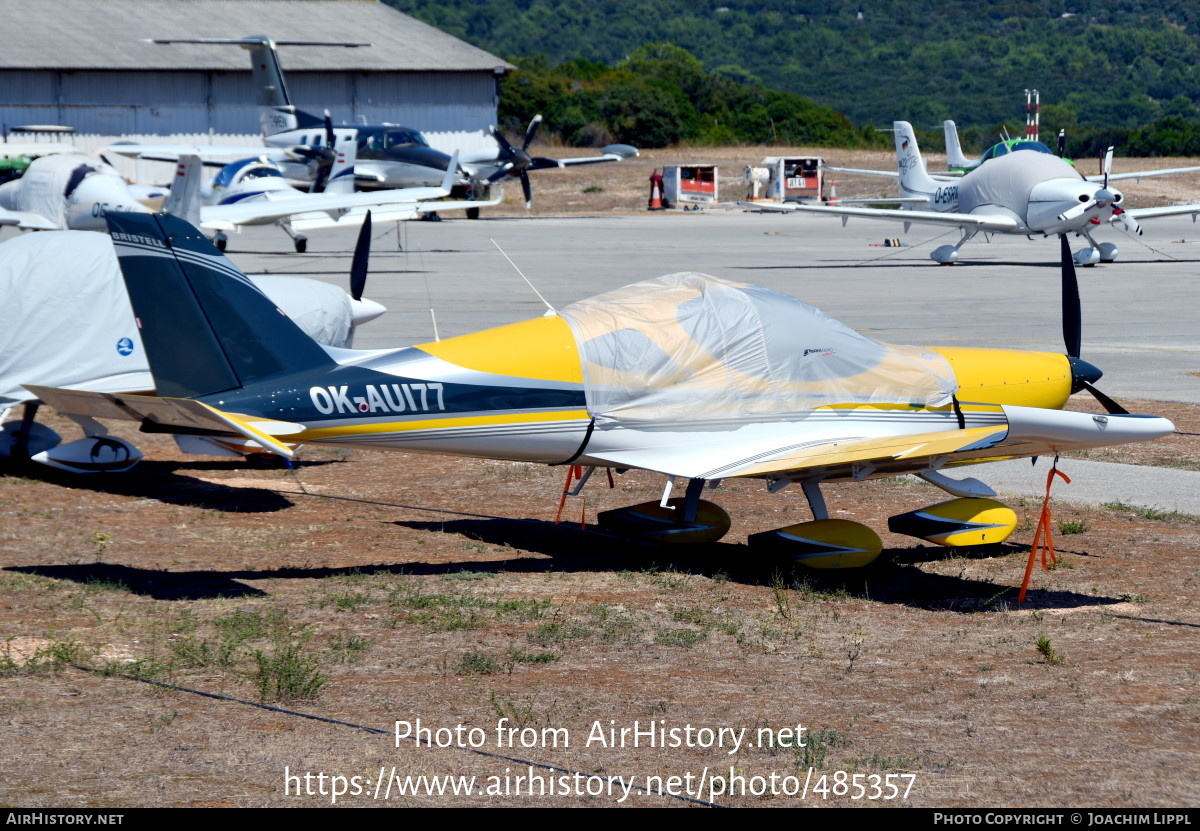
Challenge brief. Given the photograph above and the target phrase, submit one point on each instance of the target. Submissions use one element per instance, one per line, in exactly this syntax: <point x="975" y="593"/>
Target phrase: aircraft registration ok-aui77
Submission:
<point x="685" y="375"/>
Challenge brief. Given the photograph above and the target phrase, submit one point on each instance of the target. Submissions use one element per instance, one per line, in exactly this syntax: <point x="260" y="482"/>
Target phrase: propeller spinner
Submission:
<point x="517" y="161"/>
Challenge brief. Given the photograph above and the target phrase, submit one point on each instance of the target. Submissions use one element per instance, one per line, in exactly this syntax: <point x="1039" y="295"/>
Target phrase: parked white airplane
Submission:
<point x="68" y="192"/>
<point x="1022" y="192"/>
<point x="254" y="192"/>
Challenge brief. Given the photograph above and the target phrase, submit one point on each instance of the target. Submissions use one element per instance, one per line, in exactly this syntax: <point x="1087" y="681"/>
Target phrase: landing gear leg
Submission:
<point x="298" y="240"/>
<point x="20" y="450"/>
<point x="691" y="499"/>
<point x="1107" y="251"/>
<point x="816" y="500"/>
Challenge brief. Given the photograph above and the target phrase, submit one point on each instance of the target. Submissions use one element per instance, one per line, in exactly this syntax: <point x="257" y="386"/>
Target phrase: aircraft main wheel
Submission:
<point x="822" y="543"/>
<point x="301" y="244"/>
<point x="651" y="522"/>
<point x="220" y="241"/>
<point x="958" y="522"/>
<point x="472" y="213"/>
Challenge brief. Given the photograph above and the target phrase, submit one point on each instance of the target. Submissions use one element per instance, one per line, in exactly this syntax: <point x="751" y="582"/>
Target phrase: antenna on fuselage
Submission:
<point x="550" y="309"/>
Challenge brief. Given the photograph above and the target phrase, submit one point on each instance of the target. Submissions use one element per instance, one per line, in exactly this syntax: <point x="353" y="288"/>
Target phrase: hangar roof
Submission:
<point x="85" y="34"/>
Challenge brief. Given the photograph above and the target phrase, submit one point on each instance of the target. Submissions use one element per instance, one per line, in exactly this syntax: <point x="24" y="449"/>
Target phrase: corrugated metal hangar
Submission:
<point x="84" y="64"/>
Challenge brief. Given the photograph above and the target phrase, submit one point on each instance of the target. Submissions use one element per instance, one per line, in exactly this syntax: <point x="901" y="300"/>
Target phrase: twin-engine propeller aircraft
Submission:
<point x="686" y="375"/>
<point x="1022" y="192"/>
<point x="389" y="155"/>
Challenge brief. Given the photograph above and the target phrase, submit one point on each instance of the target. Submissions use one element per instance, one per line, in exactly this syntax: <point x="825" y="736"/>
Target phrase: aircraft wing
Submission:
<point x="611" y="153"/>
<point x="1018" y="432"/>
<point x="209" y="153"/>
<point x="1144" y="174"/>
<point x="399" y="212"/>
<point x="28" y="220"/>
<point x="266" y="209"/>
<point x="1154" y="213"/>
<point x="982" y="222"/>
<point x="886" y="174"/>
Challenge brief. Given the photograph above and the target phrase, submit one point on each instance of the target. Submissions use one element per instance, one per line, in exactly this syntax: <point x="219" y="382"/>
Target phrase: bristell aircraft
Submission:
<point x="1023" y="192"/>
<point x="686" y="375"/>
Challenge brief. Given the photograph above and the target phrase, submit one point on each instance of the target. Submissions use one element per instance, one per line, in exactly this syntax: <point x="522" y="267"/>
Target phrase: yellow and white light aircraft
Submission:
<point x="686" y="375"/>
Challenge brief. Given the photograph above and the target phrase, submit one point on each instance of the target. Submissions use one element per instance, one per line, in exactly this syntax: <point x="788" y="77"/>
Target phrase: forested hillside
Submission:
<point x="1127" y="71"/>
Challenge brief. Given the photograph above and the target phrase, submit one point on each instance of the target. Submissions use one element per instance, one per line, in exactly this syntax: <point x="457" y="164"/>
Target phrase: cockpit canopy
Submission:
<point x="242" y="170"/>
<point x="1006" y="147"/>
<point x="380" y="139"/>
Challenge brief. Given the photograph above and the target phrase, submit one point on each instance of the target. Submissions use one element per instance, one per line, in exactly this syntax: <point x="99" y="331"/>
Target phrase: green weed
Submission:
<point x="287" y="672"/>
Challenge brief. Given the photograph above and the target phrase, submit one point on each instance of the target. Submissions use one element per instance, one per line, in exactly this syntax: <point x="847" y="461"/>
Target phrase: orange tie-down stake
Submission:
<point x="576" y="473"/>
<point x="1043" y="543"/>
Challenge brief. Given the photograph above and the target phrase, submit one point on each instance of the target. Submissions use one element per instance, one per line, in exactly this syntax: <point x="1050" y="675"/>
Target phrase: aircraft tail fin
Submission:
<point x="206" y="327"/>
<point x="183" y="200"/>
<point x="278" y="114"/>
<point x="914" y="181"/>
<point x="954" y="153"/>
<point x="341" y="175"/>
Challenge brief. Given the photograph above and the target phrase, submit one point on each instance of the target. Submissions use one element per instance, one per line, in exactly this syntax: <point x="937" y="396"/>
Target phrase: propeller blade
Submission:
<point x="500" y="139"/>
<point x="1107" y="403"/>
<point x="528" y="190"/>
<point x="1072" y="318"/>
<point x="330" y="138"/>
<point x="1062" y="143"/>
<point x="358" y="265"/>
<point x="500" y="173"/>
<point x="531" y="131"/>
<point x="1108" y="157"/>
<point x="1077" y="211"/>
<point x="1131" y="224"/>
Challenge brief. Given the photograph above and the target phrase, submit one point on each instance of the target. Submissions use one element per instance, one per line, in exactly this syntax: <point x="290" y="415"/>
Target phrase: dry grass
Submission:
<point x="226" y="579"/>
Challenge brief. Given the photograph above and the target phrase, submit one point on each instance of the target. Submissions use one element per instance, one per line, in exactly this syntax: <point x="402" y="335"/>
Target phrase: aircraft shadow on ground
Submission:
<point x="894" y="579"/>
<point x="163" y="482"/>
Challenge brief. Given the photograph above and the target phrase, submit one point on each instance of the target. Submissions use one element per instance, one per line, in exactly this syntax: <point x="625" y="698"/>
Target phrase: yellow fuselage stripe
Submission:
<point x="318" y="433"/>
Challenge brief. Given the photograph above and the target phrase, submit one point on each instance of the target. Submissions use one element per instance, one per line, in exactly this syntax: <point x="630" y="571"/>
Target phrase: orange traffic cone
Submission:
<point x="656" y="181"/>
<point x="832" y="200"/>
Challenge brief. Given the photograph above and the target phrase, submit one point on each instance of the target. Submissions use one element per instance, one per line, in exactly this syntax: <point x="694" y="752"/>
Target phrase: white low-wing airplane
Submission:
<point x="1022" y="192"/>
<point x="254" y="192"/>
<point x="688" y="376"/>
<point x="68" y="192"/>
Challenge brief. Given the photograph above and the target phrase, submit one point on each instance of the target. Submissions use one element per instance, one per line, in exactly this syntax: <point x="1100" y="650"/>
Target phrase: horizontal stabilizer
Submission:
<point x="183" y="415"/>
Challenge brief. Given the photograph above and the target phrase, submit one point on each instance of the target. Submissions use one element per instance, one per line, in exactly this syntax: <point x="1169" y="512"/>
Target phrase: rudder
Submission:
<point x="205" y="326"/>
